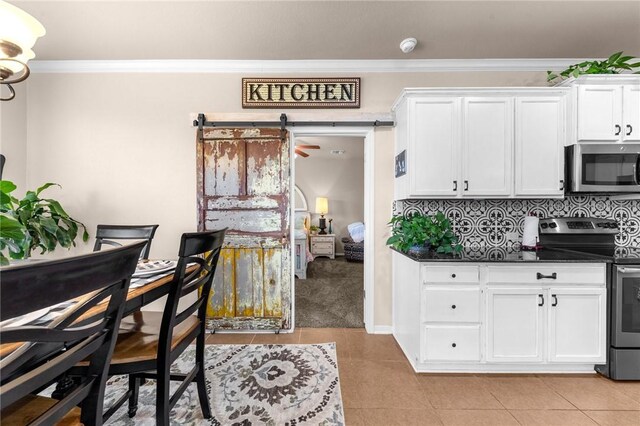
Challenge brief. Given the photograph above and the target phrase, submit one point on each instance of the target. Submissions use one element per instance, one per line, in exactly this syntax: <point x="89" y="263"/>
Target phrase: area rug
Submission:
<point x="249" y="385"/>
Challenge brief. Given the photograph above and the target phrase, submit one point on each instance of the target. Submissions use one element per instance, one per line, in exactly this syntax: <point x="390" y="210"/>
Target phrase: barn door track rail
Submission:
<point x="202" y="122"/>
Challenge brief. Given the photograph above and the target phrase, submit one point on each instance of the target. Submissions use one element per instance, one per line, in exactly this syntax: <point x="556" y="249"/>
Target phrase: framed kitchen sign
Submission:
<point x="301" y="92"/>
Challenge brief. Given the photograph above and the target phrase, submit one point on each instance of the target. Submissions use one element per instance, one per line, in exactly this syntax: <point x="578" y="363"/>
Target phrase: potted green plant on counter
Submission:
<point x="417" y="234"/>
<point x="34" y="222"/>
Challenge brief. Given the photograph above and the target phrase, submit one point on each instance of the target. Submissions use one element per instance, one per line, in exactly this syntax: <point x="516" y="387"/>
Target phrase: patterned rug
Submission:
<point x="249" y="385"/>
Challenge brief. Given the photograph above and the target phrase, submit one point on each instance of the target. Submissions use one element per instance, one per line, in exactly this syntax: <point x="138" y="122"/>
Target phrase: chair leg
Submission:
<point x="162" y="397"/>
<point x="200" y="378"/>
<point x="134" y="388"/>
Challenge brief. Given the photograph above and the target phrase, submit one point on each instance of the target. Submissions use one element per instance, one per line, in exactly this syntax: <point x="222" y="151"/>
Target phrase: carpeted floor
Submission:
<point x="332" y="296"/>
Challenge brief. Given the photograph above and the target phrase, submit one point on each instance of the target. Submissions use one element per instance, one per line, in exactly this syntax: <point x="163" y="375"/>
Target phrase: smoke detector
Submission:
<point x="408" y="44"/>
<point x="338" y="151"/>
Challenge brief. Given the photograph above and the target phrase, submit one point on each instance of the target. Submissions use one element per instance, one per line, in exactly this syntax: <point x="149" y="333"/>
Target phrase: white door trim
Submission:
<point x="369" y="155"/>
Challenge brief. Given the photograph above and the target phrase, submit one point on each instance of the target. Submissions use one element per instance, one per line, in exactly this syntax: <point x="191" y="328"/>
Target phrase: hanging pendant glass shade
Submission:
<point x="18" y="33"/>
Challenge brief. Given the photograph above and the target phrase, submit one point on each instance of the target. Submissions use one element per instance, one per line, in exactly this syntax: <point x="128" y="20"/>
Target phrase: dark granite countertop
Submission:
<point x="505" y="254"/>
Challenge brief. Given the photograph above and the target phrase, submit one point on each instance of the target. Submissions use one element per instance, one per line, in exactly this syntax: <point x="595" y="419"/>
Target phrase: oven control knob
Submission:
<point x="544" y="226"/>
<point x="553" y="225"/>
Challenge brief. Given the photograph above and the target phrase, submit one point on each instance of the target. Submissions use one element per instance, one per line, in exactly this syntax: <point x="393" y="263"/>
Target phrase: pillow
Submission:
<point x="300" y="221"/>
<point x="356" y="230"/>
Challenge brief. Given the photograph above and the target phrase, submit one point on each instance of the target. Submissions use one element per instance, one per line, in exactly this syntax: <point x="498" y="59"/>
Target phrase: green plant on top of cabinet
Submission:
<point x="481" y="143"/>
<point x="614" y="64"/>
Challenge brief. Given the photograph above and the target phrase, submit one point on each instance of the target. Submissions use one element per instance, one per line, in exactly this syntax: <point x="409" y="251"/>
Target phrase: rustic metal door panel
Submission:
<point x="243" y="184"/>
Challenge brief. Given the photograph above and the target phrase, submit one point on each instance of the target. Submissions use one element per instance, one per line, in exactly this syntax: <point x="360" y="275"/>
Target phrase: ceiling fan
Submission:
<point x="300" y="149"/>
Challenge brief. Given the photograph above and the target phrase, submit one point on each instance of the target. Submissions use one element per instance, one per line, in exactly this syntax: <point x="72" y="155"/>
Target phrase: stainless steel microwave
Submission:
<point x="606" y="168"/>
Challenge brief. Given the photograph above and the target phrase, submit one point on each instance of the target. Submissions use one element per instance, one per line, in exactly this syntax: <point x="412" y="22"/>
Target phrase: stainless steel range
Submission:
<point x="596" y="237"/>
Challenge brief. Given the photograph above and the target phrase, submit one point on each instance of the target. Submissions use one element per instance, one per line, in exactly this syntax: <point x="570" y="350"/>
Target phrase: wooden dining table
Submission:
<point x="136" y="298"/>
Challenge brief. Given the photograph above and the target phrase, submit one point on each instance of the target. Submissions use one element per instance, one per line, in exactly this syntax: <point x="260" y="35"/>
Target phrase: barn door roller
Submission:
<point x="202" y="122"/>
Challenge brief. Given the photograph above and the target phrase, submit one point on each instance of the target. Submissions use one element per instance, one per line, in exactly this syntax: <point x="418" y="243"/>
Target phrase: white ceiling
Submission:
<point x="278" y="30"/>
<point x="353" y="148"/>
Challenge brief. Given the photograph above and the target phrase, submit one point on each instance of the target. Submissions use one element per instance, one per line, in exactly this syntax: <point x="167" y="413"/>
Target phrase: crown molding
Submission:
<point x="171" y="66"/>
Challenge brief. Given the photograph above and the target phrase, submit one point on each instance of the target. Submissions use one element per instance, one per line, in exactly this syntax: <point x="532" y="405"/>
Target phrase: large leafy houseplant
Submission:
<point x="416" y="229"/>
<point x="614" y="64"/>
<point x="34" y="222"/>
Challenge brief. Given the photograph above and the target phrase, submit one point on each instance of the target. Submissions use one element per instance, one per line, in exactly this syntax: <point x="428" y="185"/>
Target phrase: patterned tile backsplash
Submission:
<point x="481" y="223"/>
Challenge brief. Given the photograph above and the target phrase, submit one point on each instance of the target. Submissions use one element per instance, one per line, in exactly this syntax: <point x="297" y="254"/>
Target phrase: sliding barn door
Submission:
<point x="243" y="185"/>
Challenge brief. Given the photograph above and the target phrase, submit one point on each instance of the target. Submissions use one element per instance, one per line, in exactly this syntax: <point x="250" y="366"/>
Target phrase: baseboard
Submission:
<point x="382" y="329"/>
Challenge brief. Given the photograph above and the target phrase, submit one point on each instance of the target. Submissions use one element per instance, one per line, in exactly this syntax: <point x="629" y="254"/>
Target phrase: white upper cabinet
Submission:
<point x="631" y="113"/>
<point x="480" y="143"/>
<point x="539" y="146"/>
<point x="486" y="145"/>
<point x="606" y="108"/>
<point x="434" y="133"/>
<point x="599" y="113"/>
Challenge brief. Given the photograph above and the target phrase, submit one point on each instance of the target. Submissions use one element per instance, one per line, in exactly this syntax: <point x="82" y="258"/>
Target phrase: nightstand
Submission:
<point x="323" y="245"/>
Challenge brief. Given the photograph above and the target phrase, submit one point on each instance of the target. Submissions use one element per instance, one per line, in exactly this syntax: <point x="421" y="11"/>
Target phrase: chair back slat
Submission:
<point x="50" y="350"/>
<point x="105" y="234"/>
<point x="202" y="248"/>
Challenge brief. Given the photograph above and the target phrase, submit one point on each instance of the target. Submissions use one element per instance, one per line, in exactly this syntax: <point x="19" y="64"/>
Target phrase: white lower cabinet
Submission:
<point x="462" y="317"/>
<point x="577" y="324"/>
<point x="515" y="325"/>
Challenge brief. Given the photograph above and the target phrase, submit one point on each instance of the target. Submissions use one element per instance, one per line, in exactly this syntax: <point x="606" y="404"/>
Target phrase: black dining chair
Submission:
<point x="150" y="342"/>
<point x="106" y="234"/>
<point x="37" y="355"/>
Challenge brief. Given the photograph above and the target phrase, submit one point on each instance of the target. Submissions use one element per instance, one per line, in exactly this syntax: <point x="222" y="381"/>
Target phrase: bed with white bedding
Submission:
<point x="302" y="255"/>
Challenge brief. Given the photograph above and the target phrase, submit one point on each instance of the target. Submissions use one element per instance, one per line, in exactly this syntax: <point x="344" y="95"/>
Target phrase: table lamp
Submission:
<point x="322" y="208"/>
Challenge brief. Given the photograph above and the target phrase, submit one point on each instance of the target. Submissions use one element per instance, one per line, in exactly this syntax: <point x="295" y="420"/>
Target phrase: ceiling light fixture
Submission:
<point x="408" y="44"/>
<point x="18" y="33"/>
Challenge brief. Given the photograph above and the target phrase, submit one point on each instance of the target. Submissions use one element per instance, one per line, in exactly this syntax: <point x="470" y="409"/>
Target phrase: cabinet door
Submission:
<point x="540" y="140"/>
<point x="434" y="137"/>
<point x="486" y="146"/>
<point x="599" y="113"/>
<point x="577" y="325"/>
<point x="515" y="325"/>
<point x="631" y="114"/>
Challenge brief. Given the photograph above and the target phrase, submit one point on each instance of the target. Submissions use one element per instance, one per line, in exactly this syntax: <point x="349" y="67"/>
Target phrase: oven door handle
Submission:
<point x="636" y="171"/>
<point x="626" y="270"/>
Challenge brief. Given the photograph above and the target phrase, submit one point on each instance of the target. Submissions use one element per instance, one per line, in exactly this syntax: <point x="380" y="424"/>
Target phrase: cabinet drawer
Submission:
<point x="450" y="274"/>
<point x="322" y="246"/>
<point x="450" y="343"/>
<point x="548" y="274"/>
<point x="317" y="240"/>
<point x="450" y="304"/>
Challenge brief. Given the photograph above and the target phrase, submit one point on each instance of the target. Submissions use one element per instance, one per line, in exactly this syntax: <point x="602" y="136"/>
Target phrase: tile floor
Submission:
<point x="379" y="387"/>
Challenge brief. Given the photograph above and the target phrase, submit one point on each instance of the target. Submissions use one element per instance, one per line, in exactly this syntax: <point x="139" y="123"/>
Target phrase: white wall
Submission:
<point x="341" y="180"/>
<point x="123" y="148"/>
<point x="13" y="138"/>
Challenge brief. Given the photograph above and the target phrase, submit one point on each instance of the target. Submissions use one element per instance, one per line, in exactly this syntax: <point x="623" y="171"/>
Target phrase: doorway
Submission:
<point x="326" y="268"/>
